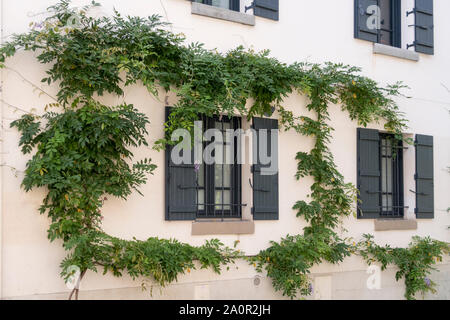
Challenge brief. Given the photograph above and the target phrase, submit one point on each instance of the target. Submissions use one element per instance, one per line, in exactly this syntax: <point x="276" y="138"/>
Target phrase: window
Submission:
<point x="391" y="177"/>
<point x="218" y="184"/>
<point x="390" y="23"/>
<point x="213" y="189"/>
<point x="380" y="175"/>
<point x="379" y="21"/>
<point x="230" y="10"/>
<point x="226" y="4"/>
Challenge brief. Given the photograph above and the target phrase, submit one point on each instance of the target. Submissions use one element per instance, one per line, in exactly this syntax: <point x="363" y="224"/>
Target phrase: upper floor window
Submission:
<point x="226" y="4"/>
<point x="268" y="9"/>
<point x="380" y="21"/>
<point x="389" y="32"/>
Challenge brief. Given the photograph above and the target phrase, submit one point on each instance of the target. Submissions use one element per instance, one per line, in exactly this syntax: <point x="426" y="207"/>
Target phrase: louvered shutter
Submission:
<point x="424" y="177"/>
<point x="267" y="9"/>
<point x="369" y="173"/>
<point x="181" y="192"/>
<point x="265" y="186"/>
<point x="362" y="31"/>
<point x="424" y="26"/>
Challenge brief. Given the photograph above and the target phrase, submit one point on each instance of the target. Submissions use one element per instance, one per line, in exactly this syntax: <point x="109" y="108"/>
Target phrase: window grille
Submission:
<point x="219" y="185"/>
<point x="392" y="203"/>
<point x="226" y="4"/>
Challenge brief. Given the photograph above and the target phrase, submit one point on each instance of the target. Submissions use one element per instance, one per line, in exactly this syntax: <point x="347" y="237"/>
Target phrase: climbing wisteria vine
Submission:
<point x="81" y="153"/>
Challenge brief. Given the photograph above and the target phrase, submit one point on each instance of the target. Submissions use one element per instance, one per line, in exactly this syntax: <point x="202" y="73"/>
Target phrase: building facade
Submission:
<point x="407" y="196"/>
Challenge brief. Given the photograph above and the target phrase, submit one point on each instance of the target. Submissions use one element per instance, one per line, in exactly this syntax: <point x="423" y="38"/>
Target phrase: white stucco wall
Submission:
<point x="315" y="31"/>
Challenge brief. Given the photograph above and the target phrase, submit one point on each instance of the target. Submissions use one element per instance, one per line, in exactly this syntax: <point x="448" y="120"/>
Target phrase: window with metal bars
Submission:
<point x="391" y="180"/>
<point x="219" y="184"/>
<point x="389" y="33"/>
<point x="388" y="14"/>
<point x="226" y="4"/>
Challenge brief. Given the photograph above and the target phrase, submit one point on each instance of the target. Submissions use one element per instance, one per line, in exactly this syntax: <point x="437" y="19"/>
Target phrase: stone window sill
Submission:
<point x="219" y="227"/>
<point x="222" y="14"/>
<point x="379" y="48"/>
<point x="395" y="224"/>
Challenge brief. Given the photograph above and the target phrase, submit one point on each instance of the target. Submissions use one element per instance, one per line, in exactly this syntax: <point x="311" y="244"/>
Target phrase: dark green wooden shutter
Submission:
<point x="265" y="187"/>
<point x="424" y="177"/>
<point x="361" y="17"/>
<point x="181" y="192"/>
<point x="267" y="9"/>
<point x="424" y="26"/>
<point x="369" y="173"/>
